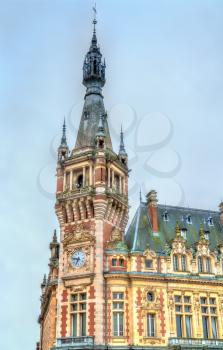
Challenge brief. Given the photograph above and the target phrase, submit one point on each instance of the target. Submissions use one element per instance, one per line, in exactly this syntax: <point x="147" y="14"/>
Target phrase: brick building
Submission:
<point x="159" y="285"/>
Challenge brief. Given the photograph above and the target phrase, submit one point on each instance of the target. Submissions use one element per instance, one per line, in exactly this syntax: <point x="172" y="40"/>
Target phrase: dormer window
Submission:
<point x="189" y="219"/>
<point x="165" y="216"/>
<point x="207" y="235"/>
<point x="210" y="221"/>
<point x="183" y="233"/>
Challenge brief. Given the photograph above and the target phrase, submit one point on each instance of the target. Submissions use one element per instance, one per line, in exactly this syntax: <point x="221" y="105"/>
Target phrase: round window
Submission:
<point x="150" y="296"/>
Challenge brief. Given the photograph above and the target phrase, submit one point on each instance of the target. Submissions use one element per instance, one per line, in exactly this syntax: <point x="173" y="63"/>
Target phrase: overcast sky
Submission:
<point x="164" y="83"/>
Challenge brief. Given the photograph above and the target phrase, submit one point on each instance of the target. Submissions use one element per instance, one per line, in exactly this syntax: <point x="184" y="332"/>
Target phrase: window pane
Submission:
<point x="203" y="300"/>
<point x="83" y="296"/>
<point x="212" y="301"/>
<point x="83" y="306"/>
<point x="118" y="295"/>
<point x="187" y="308"/>
<point x="213" y="310"/>
<point x="151" y="325"/>
<point x="178" y="308"/>
<point x="118" y="306"/>
<point x="200" y="267"/>
<point x="179" y="326"/>
<point x="205" y="327"/>
<point x="118" y="324"/>
<point x="208" y="265"/>
<point x="74" y="324"/>
<point x="149" y="264"/>
<point x="188" y="326"/>
<point x="73" y="307"/>
<point x="74" y="297"/>
<point x="114" y="262"/>
<point x="83" y="324"/>
<point x="177" y="298"/>
<point x="204" y="310"/>
<point x="183" y="263"/>
<point x="214" y="327"/>
<point x="175" y="263"/>
<point x="187" y="300"/>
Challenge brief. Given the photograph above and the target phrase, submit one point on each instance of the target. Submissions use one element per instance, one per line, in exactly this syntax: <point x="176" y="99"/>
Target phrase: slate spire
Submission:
<point x="122" y="151"/>
<point x="93" y="109"/>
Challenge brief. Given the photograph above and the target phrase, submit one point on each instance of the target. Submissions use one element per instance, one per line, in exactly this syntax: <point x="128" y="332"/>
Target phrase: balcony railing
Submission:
<point x="76" y="342"/>
<point x="192" y="342"/>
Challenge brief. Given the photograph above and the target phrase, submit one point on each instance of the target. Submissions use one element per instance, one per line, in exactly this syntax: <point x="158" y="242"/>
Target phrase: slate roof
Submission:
<point x="140" y="236"/>
<point x="93" y="108"/>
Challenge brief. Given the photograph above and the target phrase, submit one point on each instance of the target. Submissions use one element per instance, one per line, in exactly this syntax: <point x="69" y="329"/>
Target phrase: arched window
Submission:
<point x="165" y="216"/>
<point x="210" y="221"/>
<point x="95" y="66"/>
<point x="208" y="265"/>
<point x="80" y="181"/>
<point x="189" y="219"/>
<point x="175" y="263"/>
<point x="183" y="263"/>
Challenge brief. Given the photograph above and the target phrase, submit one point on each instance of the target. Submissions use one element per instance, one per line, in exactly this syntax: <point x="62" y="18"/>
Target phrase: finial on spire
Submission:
<point x="201" y="232"/>
<point x="177" y="230"/>
<point x="94" y="38"/>
<point x="95" y="14"/>
<point x="64" y="138"/>
<point x="55" y="236"/>
<point x="122" y="151"/>
<point x="140" y="196"/>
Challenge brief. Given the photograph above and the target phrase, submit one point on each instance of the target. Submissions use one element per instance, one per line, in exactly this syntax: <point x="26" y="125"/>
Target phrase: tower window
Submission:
<point x="165" y="216"/>
<point x="95" y="67"/>
<point x="207" y="235"/>
<point x="78" y="314"/>
<point x="151" y="325"/>
<point x="150" y="296"/>
<point x="80" y="181"/>
<point x="114" y="262"/>
<point x="118" y="315"/>
<point x="149" y="263"/>
<point x="175" y="263"/>
<point x="189" y="219"/>
<point x="183" y="233"/>
<point x="210" y="221"/>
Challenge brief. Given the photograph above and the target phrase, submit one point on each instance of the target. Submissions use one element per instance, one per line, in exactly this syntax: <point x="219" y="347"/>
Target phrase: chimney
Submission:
<point x="152" y="209"/>
<point x="221" y="212"/>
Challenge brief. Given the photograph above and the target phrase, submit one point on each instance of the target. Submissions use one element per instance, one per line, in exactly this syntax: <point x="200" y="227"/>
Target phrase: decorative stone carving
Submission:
<point x="77" y="236"/>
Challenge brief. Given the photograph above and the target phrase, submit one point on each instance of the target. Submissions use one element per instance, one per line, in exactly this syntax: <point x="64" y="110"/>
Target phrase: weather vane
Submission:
<point x="95" y="13"/>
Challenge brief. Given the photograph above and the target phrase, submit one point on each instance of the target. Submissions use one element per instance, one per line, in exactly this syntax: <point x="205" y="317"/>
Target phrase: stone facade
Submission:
<point x="158" y="286"/>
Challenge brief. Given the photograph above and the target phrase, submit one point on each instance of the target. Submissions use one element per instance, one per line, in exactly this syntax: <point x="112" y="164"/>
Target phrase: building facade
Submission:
<point x="158" y="285"/>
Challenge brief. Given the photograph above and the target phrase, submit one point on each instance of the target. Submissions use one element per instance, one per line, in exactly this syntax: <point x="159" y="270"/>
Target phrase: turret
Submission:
<point x="122" y="152"/>
<point x="63" y="149"/>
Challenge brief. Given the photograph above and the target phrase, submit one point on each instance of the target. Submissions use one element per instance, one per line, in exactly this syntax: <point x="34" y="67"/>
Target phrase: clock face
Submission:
<point x="78" y="258"/>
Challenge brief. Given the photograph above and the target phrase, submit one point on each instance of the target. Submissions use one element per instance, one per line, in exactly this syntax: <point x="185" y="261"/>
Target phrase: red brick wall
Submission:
<point x="138" y="263"/>
<point x="63" y="331"/>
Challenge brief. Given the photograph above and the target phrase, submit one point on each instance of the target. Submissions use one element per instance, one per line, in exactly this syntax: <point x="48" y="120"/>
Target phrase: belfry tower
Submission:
<point x="92" y="210"/>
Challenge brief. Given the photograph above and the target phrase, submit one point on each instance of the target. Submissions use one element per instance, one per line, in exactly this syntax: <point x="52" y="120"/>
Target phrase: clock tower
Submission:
<point x="92" y="209"/>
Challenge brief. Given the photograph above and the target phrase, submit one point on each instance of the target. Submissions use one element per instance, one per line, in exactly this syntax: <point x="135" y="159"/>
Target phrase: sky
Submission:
<point x="164" y="85"/>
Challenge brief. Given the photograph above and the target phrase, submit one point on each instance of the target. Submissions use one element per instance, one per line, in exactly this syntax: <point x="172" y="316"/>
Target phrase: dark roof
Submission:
<point x="140" y="236"/>
<point x="93" y="108"/>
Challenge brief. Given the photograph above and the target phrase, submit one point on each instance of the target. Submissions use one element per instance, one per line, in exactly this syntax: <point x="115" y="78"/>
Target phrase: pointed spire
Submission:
<point x="122" y="151"/>
<point x="201" y="232"/>
<point x="55" y="236"/>
<point x="94" y="37"/>
<point x="140" y="196"/>
<point x="177" y="230"/>
<point x="64" y="138"/>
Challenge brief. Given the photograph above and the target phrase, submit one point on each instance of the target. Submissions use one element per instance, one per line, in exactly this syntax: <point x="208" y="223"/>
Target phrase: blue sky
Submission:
<point x="164" y="83"/>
